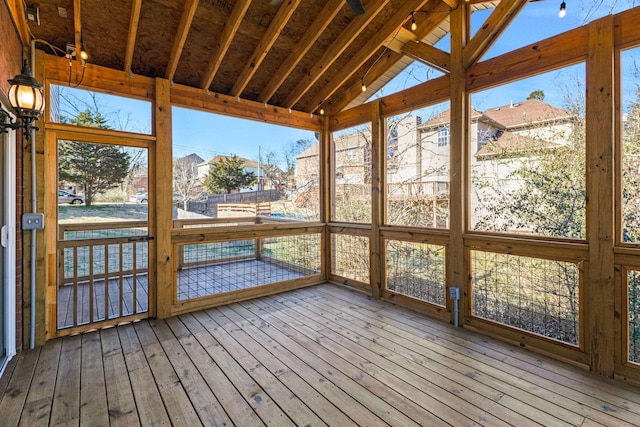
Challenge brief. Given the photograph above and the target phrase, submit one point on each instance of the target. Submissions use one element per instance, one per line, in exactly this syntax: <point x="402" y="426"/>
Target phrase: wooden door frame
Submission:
<point x="54" y="133"/>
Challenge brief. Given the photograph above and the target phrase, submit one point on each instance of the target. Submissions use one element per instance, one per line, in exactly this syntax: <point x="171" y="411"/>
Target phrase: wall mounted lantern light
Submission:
<point x="26" y="96"/>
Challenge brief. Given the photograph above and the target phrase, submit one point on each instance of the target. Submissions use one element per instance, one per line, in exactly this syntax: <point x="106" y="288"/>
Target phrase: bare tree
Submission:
<point x="186" y="184"/>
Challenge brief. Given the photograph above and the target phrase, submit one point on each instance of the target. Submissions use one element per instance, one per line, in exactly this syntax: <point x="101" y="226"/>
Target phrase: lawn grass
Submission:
<point x="103" y="212"/>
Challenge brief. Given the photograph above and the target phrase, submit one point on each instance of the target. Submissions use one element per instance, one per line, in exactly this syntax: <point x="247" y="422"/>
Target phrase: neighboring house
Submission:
<point x="248" y="166"/>
<point x="139" y="180"/>
<point x="352" y="153"/>
<point x="418" y="152"/>
<point x="307" y="170"/>
<point x="192" y="158"/>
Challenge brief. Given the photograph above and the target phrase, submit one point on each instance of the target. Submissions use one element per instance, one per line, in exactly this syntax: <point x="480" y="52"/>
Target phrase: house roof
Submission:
<point x="526" y="113"/>
<point x="444" y="118"/>
<point x="291" y="54"/>
<point x="310" y="151"/>
<point x="246" y="162"/>
<point x="514" y="115"/>
<point x="512" y="143"/>
<point x="190" y="158"/>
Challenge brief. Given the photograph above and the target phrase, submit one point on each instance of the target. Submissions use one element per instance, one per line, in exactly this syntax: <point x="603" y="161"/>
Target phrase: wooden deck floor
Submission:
<point x="323" y="355"/>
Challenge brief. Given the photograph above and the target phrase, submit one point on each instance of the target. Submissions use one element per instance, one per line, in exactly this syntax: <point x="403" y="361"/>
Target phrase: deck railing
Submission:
<point x="102" y="272"/>
<point x="229" y="259"/>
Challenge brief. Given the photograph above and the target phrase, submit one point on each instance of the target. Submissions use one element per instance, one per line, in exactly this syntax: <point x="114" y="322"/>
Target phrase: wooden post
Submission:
<point x="55" y="272"/>
<point x="377" y="199"/>
<point x="457" y="268"/>
<point x="161" y="201"/>
<point x="326" y="201"/>
<point x="598" y="308"/>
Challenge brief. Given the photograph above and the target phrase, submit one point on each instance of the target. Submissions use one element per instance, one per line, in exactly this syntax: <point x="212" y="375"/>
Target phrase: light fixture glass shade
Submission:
<point x="26" y="95"/>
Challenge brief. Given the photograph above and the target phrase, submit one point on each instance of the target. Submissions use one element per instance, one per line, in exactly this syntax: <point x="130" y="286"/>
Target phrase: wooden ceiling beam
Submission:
<point x="427" y="93"/>
<point x="432" y="56"/>
<point x="222" y="44"/>
<point x="497" y="22"/>
<point x="189" y="12"/>
<point x="77" y="26"/>
<point x="122" y="83"/>
<point x="102" y="79"/>
<point x="390" y="59"/>
<point x="271" y="35"/>
<point x="388" y="31"/>
<point x="550" y="54"/>
<point x="189" y="97"/>
<point x="329" y="11"/>
<point x="134" y="19"/>
<point x="452" y="3"/>
<point x="343" y="41"/>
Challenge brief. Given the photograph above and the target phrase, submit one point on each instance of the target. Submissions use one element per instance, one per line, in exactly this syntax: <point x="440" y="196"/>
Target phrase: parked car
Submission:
<point x="66" y="197"/>
<point x="142" y="197"/>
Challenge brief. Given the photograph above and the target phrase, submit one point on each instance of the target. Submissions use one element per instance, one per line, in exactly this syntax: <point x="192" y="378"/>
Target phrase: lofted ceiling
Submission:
<point x="294" y="54"/>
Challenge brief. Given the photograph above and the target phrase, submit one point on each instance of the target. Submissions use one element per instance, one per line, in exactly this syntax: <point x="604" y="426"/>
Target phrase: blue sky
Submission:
<point x="207" y="134"/>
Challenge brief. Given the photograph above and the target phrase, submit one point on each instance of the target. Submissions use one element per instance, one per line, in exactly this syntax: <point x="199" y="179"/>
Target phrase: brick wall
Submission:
<point x="10" y="48"/>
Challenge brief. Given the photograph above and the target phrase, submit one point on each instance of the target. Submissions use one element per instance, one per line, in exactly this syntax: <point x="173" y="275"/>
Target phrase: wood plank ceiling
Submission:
<point x="294" y="54"/>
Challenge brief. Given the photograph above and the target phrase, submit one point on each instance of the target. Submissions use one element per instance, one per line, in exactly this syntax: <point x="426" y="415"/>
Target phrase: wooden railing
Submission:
<point x="226" y="210"/>
<point x="227" y="242"/>
<point x="100" y="270"/>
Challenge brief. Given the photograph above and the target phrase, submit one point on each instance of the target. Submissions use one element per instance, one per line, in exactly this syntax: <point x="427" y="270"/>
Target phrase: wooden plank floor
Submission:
<point x="323" y="355"/>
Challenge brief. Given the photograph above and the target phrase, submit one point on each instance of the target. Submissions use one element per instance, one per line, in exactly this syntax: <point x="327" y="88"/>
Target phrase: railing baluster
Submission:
<point x="106" y="282"/>
<point x="75" y="286"/>
<point x="120" y="278"/>
<point x="134" y="277"/>
<point x="91" y="286"/>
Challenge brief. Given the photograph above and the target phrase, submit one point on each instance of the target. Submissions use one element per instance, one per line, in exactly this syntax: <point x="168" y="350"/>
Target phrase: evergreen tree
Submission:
<point x="226" y="175"/>
<point x="94" y="167"/>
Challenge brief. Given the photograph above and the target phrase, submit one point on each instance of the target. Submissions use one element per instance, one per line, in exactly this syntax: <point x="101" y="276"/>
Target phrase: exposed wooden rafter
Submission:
<point x="77" y="25"/>
<point x="282" y="17"/>
<point x="388" y="31"/>
<point x="190" y="7"/>
<point x="432" y="56"/>
<point x="223" y="43"/>
<point x="352" y="31"/>
<point x="386" y="62"/>
<point x="503" y="14"/>
<point x="131" y="35"/>
<point x="348" y="95"/>
<point x="313" y="33"/>
<point x="16" y="8"/>
<point x="230" y="53"/>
